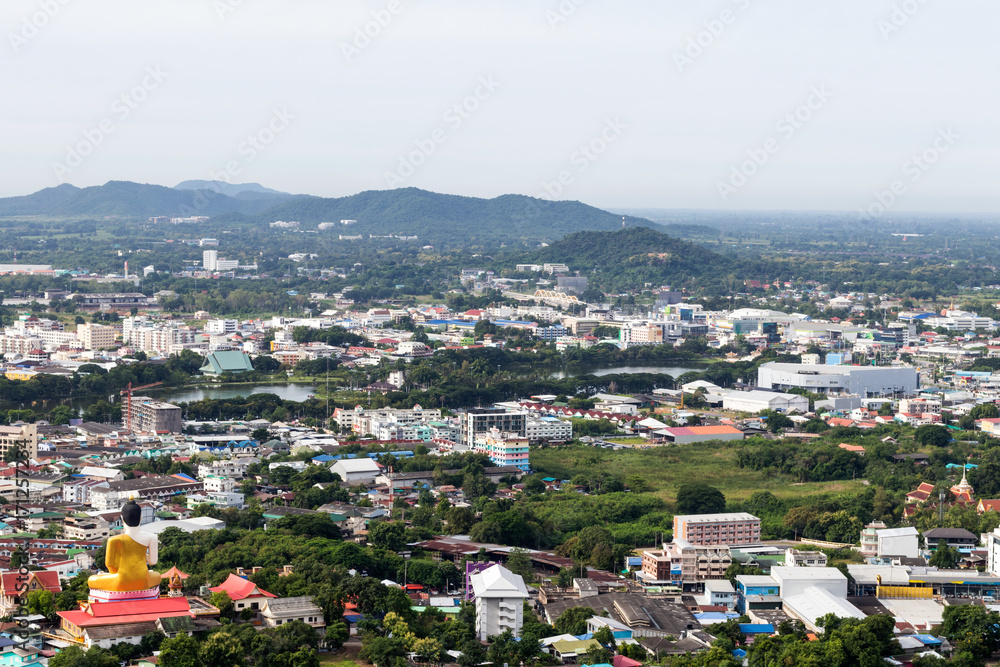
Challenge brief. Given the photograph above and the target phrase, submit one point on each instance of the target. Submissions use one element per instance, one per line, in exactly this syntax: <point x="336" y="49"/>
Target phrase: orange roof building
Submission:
<point x="922" y="493"/>
<point x="244" y="593"/>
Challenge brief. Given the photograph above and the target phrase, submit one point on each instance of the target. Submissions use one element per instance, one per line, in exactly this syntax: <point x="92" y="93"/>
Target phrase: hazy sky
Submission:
<point x="670" y="97"/>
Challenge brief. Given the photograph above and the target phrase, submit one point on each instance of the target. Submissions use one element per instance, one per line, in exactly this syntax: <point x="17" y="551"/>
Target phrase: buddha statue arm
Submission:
<point x="153" y="552"/>
<point x="111" y="557"/>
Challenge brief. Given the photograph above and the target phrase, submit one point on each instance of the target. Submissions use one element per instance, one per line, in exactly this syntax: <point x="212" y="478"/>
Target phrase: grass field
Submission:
<point x="667" y="468"/>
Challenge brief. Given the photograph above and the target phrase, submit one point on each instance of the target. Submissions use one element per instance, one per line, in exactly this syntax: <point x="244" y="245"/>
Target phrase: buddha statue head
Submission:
<point x="131" y="513"/>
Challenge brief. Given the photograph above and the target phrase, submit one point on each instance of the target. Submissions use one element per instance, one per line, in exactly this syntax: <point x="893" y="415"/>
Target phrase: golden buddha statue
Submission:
<point x="127" y="556"/>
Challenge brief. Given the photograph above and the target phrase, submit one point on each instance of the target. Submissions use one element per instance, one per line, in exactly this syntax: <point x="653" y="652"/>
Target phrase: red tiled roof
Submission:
<point x="46" y="579"/>
<point x="239" y="588"/>
<point x="113" y="613"/>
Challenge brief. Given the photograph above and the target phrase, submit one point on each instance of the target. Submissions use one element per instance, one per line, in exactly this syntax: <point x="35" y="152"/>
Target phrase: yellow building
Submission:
<point x="19" y="374"/>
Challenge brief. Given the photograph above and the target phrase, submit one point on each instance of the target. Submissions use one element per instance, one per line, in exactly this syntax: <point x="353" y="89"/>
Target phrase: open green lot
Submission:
<point x="666" y="468"/>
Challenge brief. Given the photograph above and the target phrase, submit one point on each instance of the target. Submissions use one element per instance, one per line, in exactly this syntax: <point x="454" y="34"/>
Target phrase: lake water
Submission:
<point x="301" y="392"/>
<point x="573" y="371"/>
<point x="288" y="392"/>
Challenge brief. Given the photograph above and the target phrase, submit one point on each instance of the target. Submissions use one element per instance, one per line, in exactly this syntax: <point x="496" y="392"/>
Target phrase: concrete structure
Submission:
<point x="795" y="580"/>
<point x="862" y="380"/>
<point x="709" y="529"/>
<point x="480" y="421"/>
<point x="657" y="567"/>
<point x="95" y="336"/>
<point x="682" y="435"/>
<point x="698" y="562"/>
<point x="504" y="449"/>
<point x="993" y="552"/>
<point x="14" y="438"/>
<point x="814" y="602"/>
<point x="278" y="611"/>
<point x="902" y="542"/>
<point x="956" y="538"/>
<point x="356" y="470"/>
<point x="548" y="429"/>
<point x="210" y="259"/>
<point x="153" y="487"/>
<point x="757" y="401"/>
<point x="720" y="592"/>
<point x="500" y="596"/>
<point x="798" y="558"/>
<point x="152" y="416"/>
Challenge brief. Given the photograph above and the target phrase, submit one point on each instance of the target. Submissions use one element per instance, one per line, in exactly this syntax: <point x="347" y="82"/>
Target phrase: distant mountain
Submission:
<point x="255" y="190"/>
<point x="127" y="199"/>
<point x="434" y="218"/>
<point x="447" y="218"/>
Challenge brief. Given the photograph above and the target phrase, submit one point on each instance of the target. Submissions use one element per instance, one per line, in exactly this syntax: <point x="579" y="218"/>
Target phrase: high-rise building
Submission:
<point x="95" y="336"/>
<point x="480" y="421"/>
<point x="210" y="260"/>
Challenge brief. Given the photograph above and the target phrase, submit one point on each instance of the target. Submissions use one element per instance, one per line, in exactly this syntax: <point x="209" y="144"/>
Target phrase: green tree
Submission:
<point x="932" y="435"/>
<point x="573" y="621"/>
<point x="699" y="498"/>
<point x="181" y="651"/>
<point x="222" y="649"/>
<point x="224" y="603"/>
<point x="389" y="535"/>
<point x="944" y="557"/>
<point x="336" y="634"/>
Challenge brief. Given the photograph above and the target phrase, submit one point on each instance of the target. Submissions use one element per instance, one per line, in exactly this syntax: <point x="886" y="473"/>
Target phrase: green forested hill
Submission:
<point x="434" y="218"/>
<point x="449" y="219"/>
<point x="631" y="257"/>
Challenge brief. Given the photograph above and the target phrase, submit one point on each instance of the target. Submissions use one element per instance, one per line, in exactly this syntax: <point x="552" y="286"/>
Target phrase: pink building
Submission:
<point x="706" y="529"/>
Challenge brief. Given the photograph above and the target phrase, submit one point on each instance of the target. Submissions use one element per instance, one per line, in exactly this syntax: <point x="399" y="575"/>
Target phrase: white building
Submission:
<point x="210" y="258"/>
<point x="796" y="580"/>
<point x="756" y="401"/>
<point x="500" y="596"/>
<point x="221" y="326"/>
<point x="903" y="542"/>
<point x="356" y="470"/>
<point x="548" y="428"/>
<point x="993" y="552"/>
<point x="862" y="380"/>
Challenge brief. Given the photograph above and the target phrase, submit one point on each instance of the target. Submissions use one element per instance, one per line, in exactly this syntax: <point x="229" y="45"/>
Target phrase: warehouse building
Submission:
<point x="757" y="401"/>
<point x="861" y="380"/>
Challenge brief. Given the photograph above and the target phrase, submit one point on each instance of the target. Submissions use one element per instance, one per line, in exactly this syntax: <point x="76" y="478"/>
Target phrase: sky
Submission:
<point x="868" y="105"/>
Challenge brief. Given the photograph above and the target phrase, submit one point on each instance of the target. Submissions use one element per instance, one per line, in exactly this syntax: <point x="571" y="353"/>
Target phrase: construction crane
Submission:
<point x="127" y="393"/>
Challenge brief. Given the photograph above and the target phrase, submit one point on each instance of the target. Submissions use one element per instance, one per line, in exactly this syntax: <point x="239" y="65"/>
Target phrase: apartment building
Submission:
<point x="232" y="468"/>
<point x="548" y="429"/>
<point x="86" y="528"/>
<point x="14" y="438"/>
<point x="504" y="449"/>
<point x="710" y="529"/>
<point x="481" y="421"/>
<point x="151" y="416"/>
<point x="95" y="336"/>
<point x="153" y="487"/>
<point x="657" y="566"/>
<point x="698" y="562"/>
